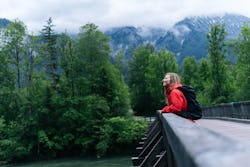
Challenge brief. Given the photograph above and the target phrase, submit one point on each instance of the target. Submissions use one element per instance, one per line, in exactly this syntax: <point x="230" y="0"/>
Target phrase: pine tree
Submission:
<point x="140" y="96"/>
<point x="219" y="88"/>
<point x="105" y="95"/>
<point x="49" y="52"/>
<point x="242" y="50"/>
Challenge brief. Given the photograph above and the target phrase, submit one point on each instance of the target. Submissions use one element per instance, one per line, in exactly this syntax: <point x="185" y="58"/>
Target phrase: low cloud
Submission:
<point x="70" y="15"/>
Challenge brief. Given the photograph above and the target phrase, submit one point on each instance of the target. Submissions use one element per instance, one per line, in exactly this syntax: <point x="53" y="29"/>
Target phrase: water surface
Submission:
<point x="85" y="162"/>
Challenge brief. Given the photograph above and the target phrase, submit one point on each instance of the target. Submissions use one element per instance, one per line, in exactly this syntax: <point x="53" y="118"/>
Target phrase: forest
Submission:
<point x="64" y="97"/>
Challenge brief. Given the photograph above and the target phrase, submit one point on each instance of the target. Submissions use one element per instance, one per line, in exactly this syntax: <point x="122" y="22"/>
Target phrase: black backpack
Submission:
<point x="194" y="110"/>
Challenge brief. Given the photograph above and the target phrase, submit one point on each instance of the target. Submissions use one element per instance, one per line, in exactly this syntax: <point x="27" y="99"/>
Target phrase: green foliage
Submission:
<point x="202" y="83"/>
<point x="43" y="121"/>
<point x="197" y="75"/>
<point x="219" y="86"/>
<point x="13" y="39"/>
<point x="119" y="131"/>
<point x="94" y="49"/>
<point x="119" y="62"/>
<point x="62" y="97"/>
<point x="140" y="97"/>
<point x="159" y="64"/>
<point x="190" y="71"/>
<point x="68" y="63"/>
<point x="7" y="88"/>
<point x="242" y="78"/>
<point x="11" y="143"/>
<point x="146" y="71"/>
<point x="48" y="51"/>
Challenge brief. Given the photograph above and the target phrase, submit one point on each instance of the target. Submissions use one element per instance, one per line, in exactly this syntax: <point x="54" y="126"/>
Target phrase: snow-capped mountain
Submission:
<point x="185" y="38"/>
<point x="129" y="37"/>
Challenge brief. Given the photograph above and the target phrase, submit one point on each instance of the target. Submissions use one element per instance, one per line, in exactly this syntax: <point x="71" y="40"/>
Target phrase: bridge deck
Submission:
<point x="234" y="130"/>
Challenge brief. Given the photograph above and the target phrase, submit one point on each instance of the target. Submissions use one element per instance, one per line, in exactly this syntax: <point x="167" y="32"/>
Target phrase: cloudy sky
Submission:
<point x="69" y="15"/>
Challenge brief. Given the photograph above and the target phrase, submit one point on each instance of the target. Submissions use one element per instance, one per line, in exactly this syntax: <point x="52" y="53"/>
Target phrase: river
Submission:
<point x="85" y="162"/>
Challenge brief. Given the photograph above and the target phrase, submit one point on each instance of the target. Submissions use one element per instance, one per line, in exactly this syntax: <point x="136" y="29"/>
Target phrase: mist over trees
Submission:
<point x="67" y="97"/>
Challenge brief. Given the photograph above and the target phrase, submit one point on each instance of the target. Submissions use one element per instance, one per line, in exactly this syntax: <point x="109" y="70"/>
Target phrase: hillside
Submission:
<point x="185" y="38"/>
<point x="4" y="23"/>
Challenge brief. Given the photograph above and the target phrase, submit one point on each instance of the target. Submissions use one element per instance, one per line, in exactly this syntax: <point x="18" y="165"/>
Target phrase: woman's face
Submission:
<point x="166" y="80"/>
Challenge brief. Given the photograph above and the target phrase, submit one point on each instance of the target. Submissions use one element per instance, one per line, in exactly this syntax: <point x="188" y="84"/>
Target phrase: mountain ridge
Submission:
<point x="185" y="38"/>
<point x="4" y="22"/>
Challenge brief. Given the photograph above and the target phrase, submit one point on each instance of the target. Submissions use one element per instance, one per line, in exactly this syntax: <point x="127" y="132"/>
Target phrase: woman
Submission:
<point x="175" y="98"/>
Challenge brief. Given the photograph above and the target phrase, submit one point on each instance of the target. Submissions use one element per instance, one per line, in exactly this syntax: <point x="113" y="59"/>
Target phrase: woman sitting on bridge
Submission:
<point x="175" y="98"/>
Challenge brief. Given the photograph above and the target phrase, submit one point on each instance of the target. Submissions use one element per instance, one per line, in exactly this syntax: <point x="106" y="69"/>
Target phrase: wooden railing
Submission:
<point x="173" y="141"/>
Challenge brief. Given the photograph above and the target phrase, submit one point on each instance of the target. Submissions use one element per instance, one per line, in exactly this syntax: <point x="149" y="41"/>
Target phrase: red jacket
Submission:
<point x="176" y="100"/>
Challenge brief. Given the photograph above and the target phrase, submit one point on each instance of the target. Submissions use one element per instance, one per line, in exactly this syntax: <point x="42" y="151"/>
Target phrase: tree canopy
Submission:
<point x="62" y="96"/>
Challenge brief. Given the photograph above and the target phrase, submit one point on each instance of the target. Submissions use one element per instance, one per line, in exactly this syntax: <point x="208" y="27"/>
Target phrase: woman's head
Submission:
<point x="170" y="79"/>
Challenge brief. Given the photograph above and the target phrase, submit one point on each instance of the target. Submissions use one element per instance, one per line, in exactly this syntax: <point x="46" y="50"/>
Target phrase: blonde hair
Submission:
<point x="174" y="78"/>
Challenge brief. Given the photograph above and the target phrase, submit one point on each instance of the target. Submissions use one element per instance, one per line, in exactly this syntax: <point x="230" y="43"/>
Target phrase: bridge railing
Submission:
<point x="182" y="143"/>
<point x="238" y="110"/>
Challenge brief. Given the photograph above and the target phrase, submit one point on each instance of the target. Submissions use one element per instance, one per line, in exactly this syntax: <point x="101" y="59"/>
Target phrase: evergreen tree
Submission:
<point x="48" y="113"/>
<point x="242" y="50"/>
<point x="94" y="50"/>
<point x="189" y="74"/>
<point x="202" y="86"/>
<point x="90" y="98"/>
<point x="31" y="62"/>
<point x="219" y="88"/>
<point x="67" y="62"/>
<point x="106" y="95"/>
<point x="49" y="52"/>
<point x="140" y="96"/>
<point x="119" y="63"/>
<point x="7" y="87"/>
<point x="159" y="64"/>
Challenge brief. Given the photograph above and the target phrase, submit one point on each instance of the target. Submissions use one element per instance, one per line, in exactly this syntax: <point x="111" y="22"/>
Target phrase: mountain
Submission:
<point x="4" y="23"/>
<point x="124" y="38"/>
<point x="185" y="38"/>
<point x="129" y="37"/>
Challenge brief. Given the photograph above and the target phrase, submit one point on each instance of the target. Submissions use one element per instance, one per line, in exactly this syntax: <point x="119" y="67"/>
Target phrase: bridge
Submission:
<point x="220" y="139"/>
